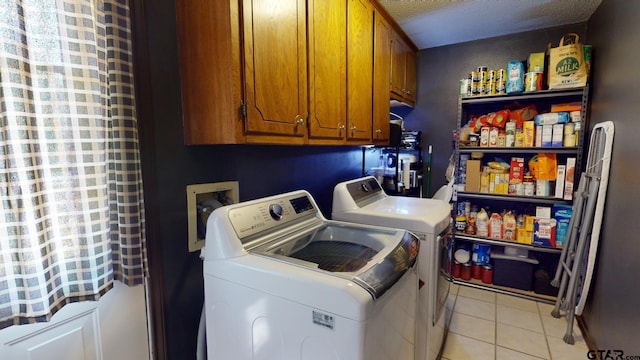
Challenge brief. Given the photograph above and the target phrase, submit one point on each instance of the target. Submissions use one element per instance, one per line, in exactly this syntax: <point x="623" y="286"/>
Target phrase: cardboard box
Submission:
<point x="557" y="135"/>
<point x="516" y="171"/>
<point x="562" y="213"/>
<point x="569" y="178"/>
<point x="536" y="62"/>
<point x="544" y="232"/>
<point x="473" y="176"/>
<point x="559" y="193"/>
<point x="529" y="130"/>
<point x="543" y="212"/>
<point x="547" y="136"/>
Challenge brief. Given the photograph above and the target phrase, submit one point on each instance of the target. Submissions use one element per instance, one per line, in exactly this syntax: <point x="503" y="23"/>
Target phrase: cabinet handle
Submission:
<point x="300" y="122"/>
<point x="354" y="128"/>
<point x="342" y="127"/>
<point x="378" y="131"/>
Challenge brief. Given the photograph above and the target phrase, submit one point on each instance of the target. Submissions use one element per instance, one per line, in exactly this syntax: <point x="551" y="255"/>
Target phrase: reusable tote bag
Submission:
<point x="567" y="68"/>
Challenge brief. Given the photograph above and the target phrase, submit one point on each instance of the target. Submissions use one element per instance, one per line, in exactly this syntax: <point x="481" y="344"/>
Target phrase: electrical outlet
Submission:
<point x="202" y="199"/>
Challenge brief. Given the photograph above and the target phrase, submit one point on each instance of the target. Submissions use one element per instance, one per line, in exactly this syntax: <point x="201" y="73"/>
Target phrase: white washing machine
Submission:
<point x="364" y="201"/>
<point x="282" y="282"/>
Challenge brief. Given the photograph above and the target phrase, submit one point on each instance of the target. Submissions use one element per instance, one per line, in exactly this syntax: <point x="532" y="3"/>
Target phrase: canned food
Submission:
<point x="475" y="76"/>
<point x="484" y="76"/>
<point x="465" y="271"/>
<point x="482" y="68"/>
<point x="491" y="75"/>
<point x="492" y="88"/>
<point x="487" y="274"/>
<point x="501" y="87"/>
<point x="475" y="89"/>
<point x="477" y="271"/>
<point x="501" y="75"/>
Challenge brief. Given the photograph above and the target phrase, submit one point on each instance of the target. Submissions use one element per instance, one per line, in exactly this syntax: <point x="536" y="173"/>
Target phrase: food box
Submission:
<point x="473" y="176"/>
<point x="516" y="170"/>
<point x="547" y="135"/>
<point x="513" y="271"/>
<point x="569" y="178"/>
<point x="559" y="193"/>
<point x="529" y="130"/>
<point x="557" y="136"/>
<point x="562" y="214"/>
<point x="544" y="232"/>
<point x="536" y="62"/>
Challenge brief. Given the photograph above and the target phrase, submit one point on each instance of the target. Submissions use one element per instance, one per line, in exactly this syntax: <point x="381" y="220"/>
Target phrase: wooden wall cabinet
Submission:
<point x="403" y="71"/>
<point x="381" y="79"/>
<point x="315" y="73"/>
<point x="327" y="71"/>
<point x="359" y="71"/>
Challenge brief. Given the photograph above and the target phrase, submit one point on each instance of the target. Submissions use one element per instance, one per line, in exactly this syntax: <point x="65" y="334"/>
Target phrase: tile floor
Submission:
<point x="487" y="325"/>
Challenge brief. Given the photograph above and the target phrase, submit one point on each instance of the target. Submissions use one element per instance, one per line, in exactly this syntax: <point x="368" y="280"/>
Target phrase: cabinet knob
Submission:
<point x="300" y="121"/>
<point x="354" y="128"/>
<point x="378" y="131"/>
<point x="342" y="127"/>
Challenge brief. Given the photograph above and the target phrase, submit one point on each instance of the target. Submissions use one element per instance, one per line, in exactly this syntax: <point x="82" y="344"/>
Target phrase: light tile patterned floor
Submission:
<point x="491" y="326"/>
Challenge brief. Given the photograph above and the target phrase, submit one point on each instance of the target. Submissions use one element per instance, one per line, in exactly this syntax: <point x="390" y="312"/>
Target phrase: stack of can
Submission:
<point x="486" y="82"/>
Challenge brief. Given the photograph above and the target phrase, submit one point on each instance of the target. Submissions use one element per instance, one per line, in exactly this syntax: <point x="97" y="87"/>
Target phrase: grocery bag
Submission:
<point x="567" y="68"/>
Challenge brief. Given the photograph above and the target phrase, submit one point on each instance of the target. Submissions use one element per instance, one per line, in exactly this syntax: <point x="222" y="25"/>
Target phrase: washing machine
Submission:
<point x="283" y="282"/>
<point x="364" y="201"/>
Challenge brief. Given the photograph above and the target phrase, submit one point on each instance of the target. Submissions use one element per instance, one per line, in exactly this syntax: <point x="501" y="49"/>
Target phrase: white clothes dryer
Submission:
<point x="364" y="201"/>
<point x="282" y="282"/>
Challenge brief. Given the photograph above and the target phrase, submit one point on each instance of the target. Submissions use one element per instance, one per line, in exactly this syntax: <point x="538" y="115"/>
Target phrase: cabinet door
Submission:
<point x="360" y="70"/>
<point x="275" y="68"/>
<point x="397" y="66"/>
<point x="327" y="70"/>
<point x="211" y="90"/>
<point x="410" y="76"/>
<point x="381" y="79"/>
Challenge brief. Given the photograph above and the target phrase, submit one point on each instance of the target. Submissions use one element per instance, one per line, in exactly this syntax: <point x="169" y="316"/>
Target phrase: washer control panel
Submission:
<point x="270" y="213"/>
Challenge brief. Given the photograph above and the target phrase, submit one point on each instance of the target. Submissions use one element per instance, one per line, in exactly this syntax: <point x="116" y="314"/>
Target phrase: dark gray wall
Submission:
<point x="439" y="72"/>
<point x="260" y="170"/>
<point x="613" y="311"/>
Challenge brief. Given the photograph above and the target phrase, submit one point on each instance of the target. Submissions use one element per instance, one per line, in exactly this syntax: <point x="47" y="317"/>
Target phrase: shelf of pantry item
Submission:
<point x="506" y="290"/>
<point x="518" y="150"/>
<point x="461" y="236"/>
<point x="524" y="96"/>
<point x="516" y="198"/>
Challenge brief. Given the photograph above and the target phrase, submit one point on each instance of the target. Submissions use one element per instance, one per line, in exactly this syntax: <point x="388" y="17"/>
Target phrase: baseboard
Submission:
<point x="591" y="344"/>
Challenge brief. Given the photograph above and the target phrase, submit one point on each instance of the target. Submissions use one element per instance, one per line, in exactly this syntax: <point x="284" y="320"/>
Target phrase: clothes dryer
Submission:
<point x="364" y="201"/>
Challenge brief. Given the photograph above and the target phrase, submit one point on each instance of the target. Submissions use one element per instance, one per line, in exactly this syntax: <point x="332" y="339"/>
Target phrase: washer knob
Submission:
<point x="275" y="210"/>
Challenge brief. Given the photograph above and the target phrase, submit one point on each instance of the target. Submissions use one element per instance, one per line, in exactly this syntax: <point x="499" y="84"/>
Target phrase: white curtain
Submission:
<point x="71" y="208"/>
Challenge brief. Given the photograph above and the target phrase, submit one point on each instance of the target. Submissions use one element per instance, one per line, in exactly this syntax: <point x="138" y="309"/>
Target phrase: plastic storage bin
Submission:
<point x="513" y="271"/>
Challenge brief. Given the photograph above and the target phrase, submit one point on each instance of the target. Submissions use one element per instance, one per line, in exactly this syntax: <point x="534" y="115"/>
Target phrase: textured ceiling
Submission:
<point x="431" y="23"/>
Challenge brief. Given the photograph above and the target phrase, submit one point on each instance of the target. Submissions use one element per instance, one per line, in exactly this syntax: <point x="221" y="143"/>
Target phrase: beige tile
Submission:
<point x="477" y="308"/>
<point x="521" y="340"/>
<point x="517" y="302"/>
<point x="453" y="289"/>
<point x="508" y="354"/>
<point x="545" y="309"/>
<point x="473" y="327"/>
<point x="460" y="347"/>
<point x="557" y="327"/>
<point x="479" y="294"/>
<point x="519" y="318"/>
<point x="563" y="351"/>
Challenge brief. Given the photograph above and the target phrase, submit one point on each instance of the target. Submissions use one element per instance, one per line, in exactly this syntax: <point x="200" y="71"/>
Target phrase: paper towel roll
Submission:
<point x="406" y="176"/>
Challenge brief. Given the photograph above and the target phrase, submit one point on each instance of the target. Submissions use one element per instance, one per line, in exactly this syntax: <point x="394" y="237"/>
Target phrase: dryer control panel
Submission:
<point x="269" y="214"/>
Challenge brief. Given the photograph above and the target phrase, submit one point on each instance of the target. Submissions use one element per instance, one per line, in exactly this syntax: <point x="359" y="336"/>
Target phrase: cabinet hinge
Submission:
<point x="243" y="110"/>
